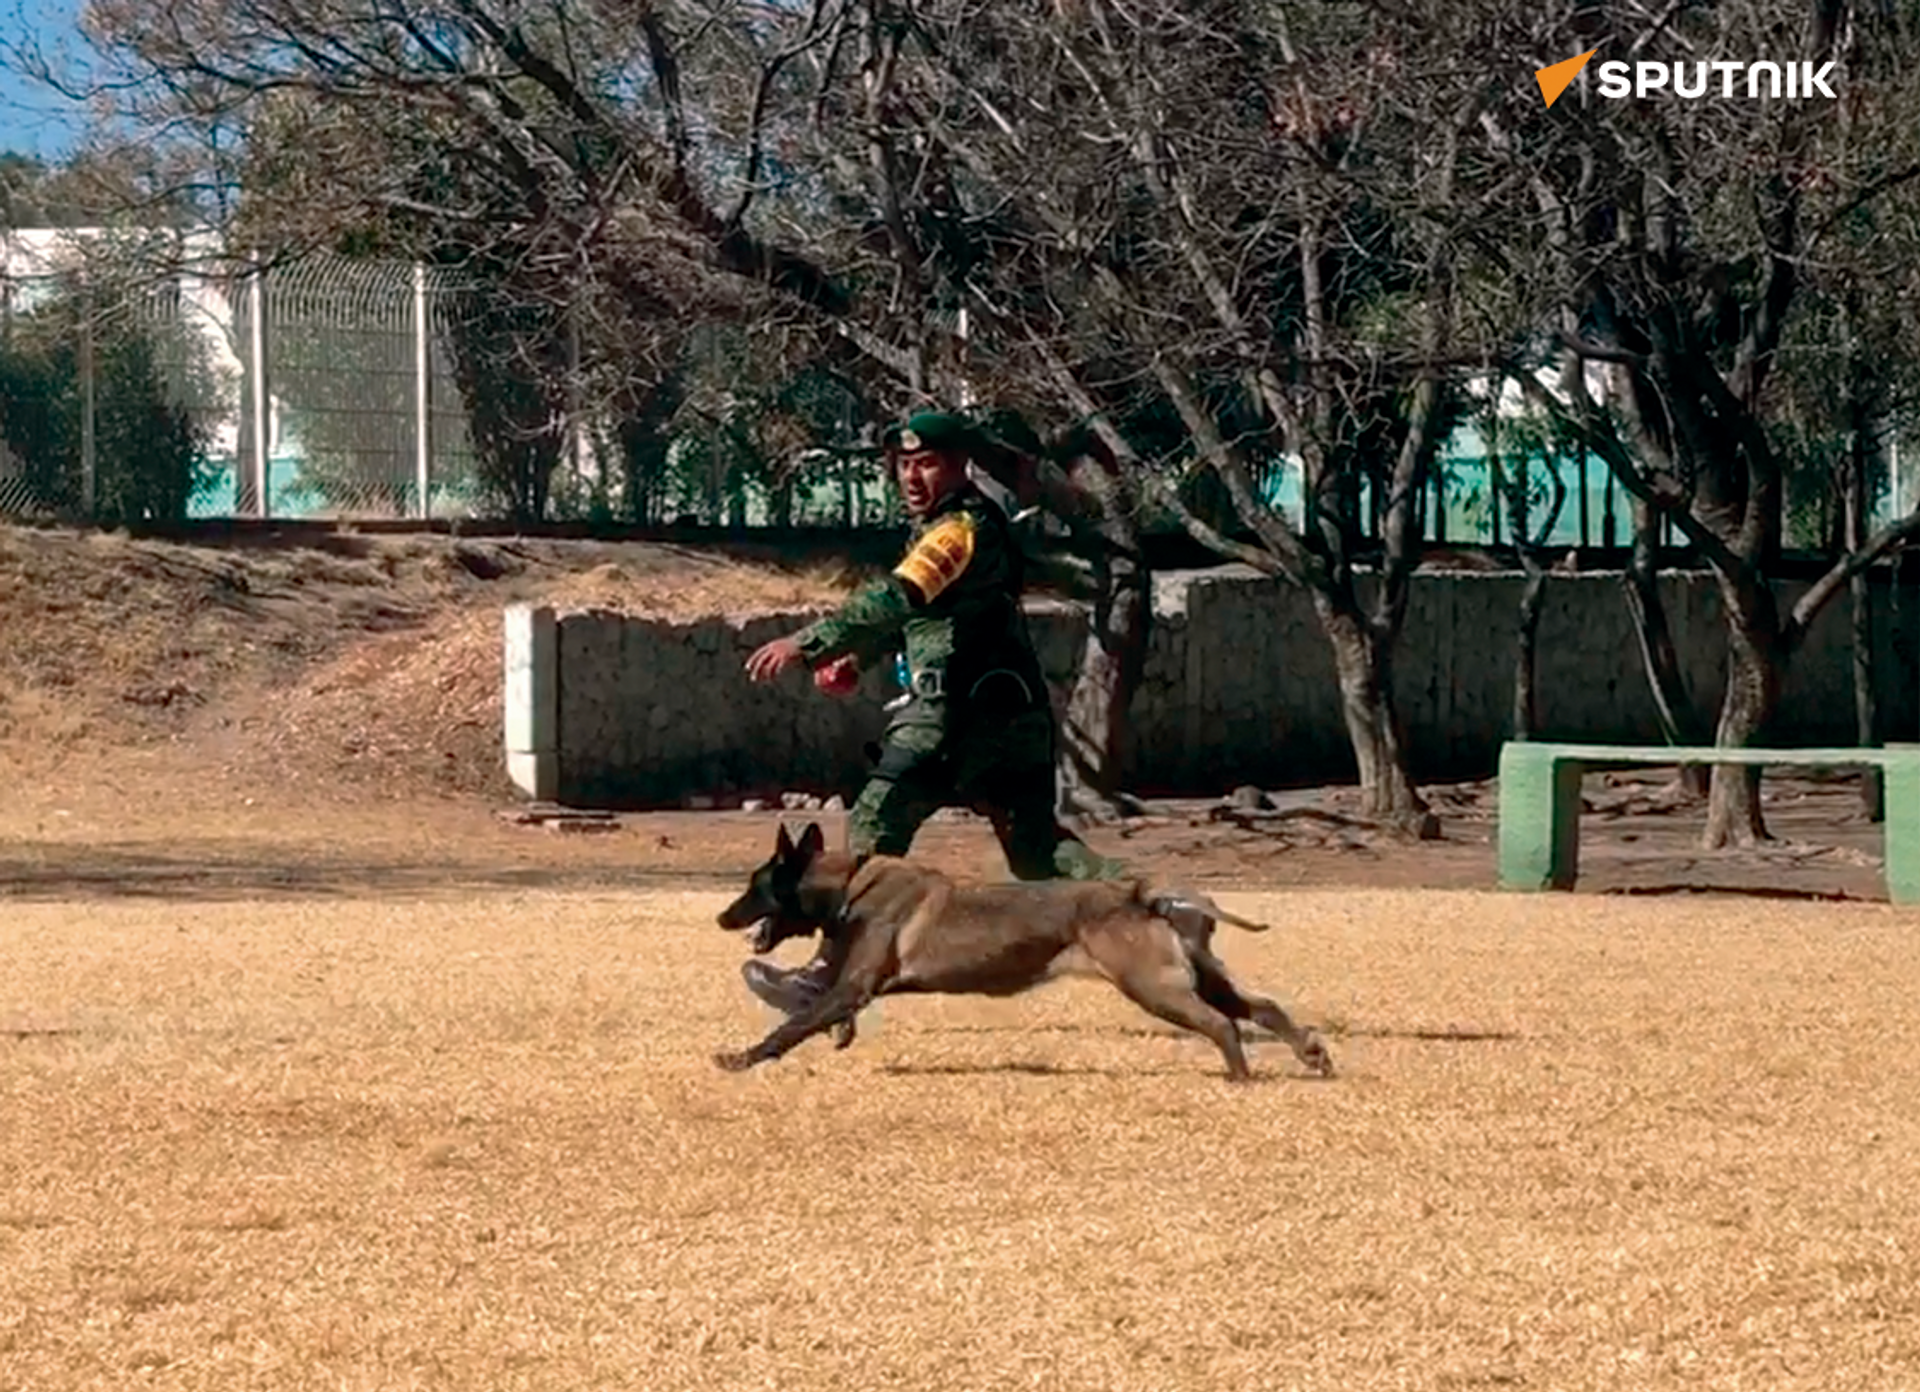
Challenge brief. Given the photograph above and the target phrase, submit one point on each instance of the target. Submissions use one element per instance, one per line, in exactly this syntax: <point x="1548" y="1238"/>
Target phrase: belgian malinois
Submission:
<point x="893" y="927"/>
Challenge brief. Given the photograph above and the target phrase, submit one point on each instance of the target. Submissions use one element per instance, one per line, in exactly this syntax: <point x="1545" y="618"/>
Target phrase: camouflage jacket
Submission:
<point x="953" y="605"/>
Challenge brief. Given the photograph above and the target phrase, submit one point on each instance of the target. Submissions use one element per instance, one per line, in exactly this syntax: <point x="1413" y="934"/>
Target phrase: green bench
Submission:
<point x="1539" y="828"/>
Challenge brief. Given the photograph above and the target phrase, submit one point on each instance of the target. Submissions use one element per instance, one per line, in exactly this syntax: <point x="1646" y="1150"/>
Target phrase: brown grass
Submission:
<point x="477" y="1143"/>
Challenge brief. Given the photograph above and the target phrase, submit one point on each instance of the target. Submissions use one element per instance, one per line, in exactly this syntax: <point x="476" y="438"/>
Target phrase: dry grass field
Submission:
<point x="316" y="1074"/>
<point x="474" y="1141"/>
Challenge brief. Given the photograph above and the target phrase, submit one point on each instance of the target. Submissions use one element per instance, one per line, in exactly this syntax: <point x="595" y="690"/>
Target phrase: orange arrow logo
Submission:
<point x="1554" y="78"/>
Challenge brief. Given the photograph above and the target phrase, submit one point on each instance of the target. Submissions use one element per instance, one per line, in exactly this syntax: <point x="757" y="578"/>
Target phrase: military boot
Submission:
<point x="789" y="992"/>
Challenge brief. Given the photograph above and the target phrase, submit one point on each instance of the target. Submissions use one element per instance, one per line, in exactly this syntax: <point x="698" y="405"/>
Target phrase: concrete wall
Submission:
<point x="608" y="709"/>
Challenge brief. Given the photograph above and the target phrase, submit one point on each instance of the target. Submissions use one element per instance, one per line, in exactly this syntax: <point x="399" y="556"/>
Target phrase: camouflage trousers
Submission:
<point x="1006" y="774"/>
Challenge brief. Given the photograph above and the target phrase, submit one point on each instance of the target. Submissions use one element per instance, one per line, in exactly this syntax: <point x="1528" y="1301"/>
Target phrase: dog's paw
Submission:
<point x="1313" y="1053"/>
<point x="733" y="1062"/>
<point x="843" y="1034"/>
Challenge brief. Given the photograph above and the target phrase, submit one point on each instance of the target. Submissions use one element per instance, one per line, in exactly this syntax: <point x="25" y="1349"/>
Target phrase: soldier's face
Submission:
<point x="927" y="476"/>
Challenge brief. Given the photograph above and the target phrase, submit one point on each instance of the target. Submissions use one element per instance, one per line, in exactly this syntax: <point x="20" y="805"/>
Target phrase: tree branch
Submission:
<point x="1891" y="537"/>
<point x="1169" y="497"/>
<point x="810" y="38"/>
<point x="1596" y="352"/>
<point x="1858" y="201"/>
<point x="1663" y="494"/>
<point x="1289" y="556"/>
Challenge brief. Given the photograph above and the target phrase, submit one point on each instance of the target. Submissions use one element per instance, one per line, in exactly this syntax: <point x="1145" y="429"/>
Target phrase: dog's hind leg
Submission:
<point x="1151" y="969"/>
<point x="1181" y="1005"/>
<point x="1217" y="988"/>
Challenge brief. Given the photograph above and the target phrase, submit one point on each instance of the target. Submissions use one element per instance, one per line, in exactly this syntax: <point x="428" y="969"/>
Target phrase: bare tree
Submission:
<point x="1276" y="230"/>
<point x="1183" y="227"/>
<point x="1511" y="451"/>
<point x="1682" y="232"/>
<point x="1848" y="382"/>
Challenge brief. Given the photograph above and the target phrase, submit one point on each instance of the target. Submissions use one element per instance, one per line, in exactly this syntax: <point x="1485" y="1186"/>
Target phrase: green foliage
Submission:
<point x="737" y="431"/>
<point x="150" y="449"/>
<point x="509" y="360"/>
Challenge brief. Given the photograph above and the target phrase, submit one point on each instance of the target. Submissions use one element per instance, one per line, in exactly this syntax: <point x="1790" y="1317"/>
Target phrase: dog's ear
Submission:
<point x="812" y="840"/>
<point x="783" y="844"/>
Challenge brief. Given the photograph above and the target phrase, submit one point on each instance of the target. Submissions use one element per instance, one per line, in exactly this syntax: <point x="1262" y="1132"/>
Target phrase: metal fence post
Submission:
<point x="262" y="399"/>
<point x="969" y="398"/>
<point x="89" y="398"/>
<point x="422" y="392"/>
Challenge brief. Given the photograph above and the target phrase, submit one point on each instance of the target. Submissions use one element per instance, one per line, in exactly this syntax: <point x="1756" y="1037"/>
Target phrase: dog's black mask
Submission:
<point x="771" y="903"/>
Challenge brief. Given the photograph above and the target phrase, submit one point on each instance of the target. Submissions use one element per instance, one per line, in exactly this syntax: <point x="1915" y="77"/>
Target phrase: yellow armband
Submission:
<point x="939" y="557"/>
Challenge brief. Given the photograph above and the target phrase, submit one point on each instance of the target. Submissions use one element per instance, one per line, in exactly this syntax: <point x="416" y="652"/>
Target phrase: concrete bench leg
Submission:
<point x="1902" y="823"/>
<point x="1539" y="830"/>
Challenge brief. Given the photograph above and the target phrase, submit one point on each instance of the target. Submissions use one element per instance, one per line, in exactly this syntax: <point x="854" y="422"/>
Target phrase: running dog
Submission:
<point x="893" y="928"/>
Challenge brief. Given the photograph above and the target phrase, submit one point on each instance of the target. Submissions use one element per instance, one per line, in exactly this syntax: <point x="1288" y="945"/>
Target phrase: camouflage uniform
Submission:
<point x="978" y="728"/>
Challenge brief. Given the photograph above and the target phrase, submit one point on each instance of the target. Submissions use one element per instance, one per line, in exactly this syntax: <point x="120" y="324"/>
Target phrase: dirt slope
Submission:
<point x="343" y="660"/>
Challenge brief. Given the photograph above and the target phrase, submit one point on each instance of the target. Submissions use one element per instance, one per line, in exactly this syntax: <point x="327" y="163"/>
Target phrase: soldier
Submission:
<point x="978" y="729"/>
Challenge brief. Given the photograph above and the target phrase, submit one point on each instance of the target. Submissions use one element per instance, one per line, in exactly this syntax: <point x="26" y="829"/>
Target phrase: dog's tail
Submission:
<point x="1179" y="902"/>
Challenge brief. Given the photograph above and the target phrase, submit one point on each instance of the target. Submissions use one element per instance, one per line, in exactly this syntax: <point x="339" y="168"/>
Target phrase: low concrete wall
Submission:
<point x="607" y="709"/>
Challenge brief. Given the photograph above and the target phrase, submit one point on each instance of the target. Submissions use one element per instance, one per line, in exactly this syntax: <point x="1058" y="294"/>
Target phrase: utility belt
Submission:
<point x="1008" y="692"/>
<point x="997" y="695"/>
<point x="927" y="684"/>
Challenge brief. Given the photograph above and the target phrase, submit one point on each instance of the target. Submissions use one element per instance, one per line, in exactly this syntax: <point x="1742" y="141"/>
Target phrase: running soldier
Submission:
<point x="978" y="730"/>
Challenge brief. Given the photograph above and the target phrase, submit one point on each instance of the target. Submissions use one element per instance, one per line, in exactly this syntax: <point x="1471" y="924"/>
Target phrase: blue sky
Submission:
<point x="32" y="119"/>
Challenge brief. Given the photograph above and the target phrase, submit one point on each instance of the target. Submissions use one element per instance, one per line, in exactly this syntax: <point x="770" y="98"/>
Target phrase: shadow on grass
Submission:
<point x="1449" y="1035"/>
<point x="60" y="872"/>
<point x="1042" y="1027"/>
<point x="1739" y="891"/>
<point x="1251" y="1033"/>
<point x="1028" y="1068"/>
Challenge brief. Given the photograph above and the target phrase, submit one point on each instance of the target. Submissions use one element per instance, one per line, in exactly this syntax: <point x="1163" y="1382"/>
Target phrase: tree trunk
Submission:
<point x="1865" y="712"/>
<point x="1095" y="497"/>
<point x="1096" y="733"/>
<point x="1659" y="658"/>
<point x="1755" y="667"/>
<point x="1865" y="708"/>
<point x="1362" y="661"/>
<point x="1525" y="705"/>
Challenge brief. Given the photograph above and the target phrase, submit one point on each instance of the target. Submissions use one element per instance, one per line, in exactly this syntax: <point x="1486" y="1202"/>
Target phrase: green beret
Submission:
<point x="938" y="430"/>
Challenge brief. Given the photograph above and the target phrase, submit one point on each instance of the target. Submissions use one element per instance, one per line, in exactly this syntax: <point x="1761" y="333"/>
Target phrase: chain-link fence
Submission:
<point x="342" y="388"/>
<point x="363" y="415"/>
<point x="345" y="388"/>
<point x="131" y="392"/>
<point x="355" y="368"/>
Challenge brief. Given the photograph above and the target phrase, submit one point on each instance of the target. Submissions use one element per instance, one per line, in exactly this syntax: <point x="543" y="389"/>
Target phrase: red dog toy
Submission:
<point x="841" y="678"/>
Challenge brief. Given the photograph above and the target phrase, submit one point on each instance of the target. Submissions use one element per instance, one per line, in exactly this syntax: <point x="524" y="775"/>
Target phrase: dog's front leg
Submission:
<point x="841" y="1002"/>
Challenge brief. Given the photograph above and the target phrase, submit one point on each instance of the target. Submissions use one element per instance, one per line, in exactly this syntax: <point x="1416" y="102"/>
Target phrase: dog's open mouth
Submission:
<point x="765" y="936"/>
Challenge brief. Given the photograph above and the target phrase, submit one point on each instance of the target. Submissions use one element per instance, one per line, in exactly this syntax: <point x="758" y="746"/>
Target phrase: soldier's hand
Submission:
<point x="771" y="659"/>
